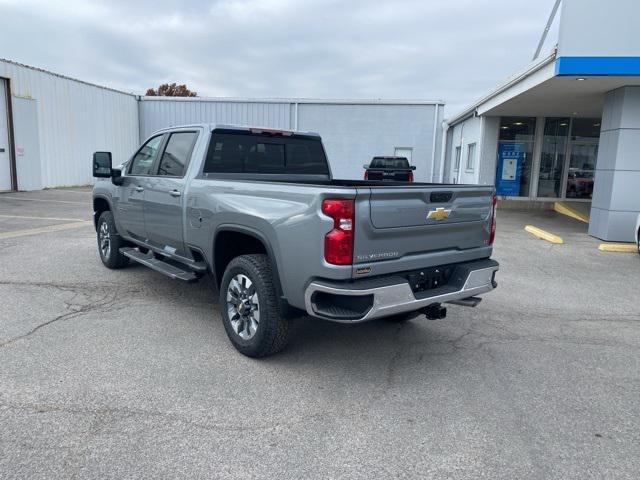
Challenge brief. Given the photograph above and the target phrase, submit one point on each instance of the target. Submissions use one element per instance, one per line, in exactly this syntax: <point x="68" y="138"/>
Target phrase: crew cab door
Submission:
<point x="164" y="195"/>
<point x="130" y="208"/>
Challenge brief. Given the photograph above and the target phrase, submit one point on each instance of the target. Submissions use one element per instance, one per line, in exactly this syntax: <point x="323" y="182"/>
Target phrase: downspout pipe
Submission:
<point x="433" y="145"/>
<point x="459" y="174"/>
<point x="140" y="115"/>
<point x="443" y="150"/>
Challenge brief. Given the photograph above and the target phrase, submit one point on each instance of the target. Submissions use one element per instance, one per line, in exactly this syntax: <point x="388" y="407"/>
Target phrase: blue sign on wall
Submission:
<point x="509" y="171"/>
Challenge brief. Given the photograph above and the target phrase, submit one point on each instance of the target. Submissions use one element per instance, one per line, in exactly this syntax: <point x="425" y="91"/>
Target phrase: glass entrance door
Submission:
<point x="581" y="162"/>
<point x="582" y="169"/>
<point x="553" y="157"/>
<point x="568" y="156"/>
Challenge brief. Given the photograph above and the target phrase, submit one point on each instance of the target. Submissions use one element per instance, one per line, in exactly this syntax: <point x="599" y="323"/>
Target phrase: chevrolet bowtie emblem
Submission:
<point x="438" y="214"/>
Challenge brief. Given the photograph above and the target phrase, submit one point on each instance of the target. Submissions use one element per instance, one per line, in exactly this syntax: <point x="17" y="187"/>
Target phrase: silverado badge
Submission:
<point x="438" y="214"/>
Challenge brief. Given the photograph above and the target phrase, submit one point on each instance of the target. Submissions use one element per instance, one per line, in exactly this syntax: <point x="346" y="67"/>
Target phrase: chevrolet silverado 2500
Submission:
<point x="259" y="210"/>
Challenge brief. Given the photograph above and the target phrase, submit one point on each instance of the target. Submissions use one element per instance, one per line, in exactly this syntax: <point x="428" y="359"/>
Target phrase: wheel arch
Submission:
<point x="241" y="240"/>
<point x="101" y="204"/>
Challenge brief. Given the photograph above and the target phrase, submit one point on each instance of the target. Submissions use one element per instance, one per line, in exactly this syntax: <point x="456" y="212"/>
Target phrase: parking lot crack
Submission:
<point x="455" y="342"/>
<point x="58" y="286"/>
<point x="104" y="416"/>
<point x="392" y="363"/>
<point x="77" y="310"/>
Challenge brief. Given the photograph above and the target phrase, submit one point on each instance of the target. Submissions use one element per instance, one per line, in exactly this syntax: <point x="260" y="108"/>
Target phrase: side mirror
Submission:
<point x="413" y="167"/>
<point x="365" y="166"/>
<point x="102" y="164"/>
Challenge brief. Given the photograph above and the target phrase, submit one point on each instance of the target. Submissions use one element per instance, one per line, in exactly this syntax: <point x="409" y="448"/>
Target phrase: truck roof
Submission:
<point x="213" y="126"/>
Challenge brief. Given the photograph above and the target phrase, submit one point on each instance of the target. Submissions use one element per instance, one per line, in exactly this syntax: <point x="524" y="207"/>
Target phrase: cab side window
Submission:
<point x="176" y="154"/>
<point x="142" y="163"/>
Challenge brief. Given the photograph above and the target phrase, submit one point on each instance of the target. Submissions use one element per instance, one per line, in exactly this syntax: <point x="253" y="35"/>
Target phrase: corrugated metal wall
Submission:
<point x="74" y="120"/>
<point x="157" y="113"/>
<point x="353" y="132"/>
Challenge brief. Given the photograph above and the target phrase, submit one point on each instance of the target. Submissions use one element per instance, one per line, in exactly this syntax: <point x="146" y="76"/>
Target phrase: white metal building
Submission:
<point x="51" y="124"/>
<point x="353" y="131"/>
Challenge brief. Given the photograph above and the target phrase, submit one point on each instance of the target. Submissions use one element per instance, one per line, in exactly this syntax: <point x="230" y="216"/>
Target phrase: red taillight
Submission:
<point x="338" y="243"/>
<point x="492" y="231"/>
<point x="366" y="174"/>
<point x="410" y="176"/>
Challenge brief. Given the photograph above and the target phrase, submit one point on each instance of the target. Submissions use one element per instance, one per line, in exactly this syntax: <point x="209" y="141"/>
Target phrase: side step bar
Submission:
<point x="148" y="260"/>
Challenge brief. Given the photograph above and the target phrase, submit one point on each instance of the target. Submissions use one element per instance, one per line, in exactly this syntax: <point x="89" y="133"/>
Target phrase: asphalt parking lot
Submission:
<point x="127" y="373"/>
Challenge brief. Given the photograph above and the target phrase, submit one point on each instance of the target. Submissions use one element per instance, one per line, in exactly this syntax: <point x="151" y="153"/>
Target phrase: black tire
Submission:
<point x="272" y="331"/>
<point x="111" y="256"/>
<point x="402" y="317"/>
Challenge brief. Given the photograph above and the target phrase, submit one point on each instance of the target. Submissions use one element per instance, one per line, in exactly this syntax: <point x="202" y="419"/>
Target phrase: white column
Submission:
<point x="616" y="191"/>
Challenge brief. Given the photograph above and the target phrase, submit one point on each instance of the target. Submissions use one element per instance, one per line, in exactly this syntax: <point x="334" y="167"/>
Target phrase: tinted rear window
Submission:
<point x="254" y="153"/>
<point x="389" y="163"/>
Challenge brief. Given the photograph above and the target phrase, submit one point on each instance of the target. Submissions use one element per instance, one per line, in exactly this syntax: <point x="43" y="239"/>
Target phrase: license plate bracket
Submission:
<point x="429" y="278"/>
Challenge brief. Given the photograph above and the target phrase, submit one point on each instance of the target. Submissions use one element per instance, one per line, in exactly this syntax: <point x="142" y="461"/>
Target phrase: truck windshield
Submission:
<point x="389" y="163"/>
<point x="243" y="152"/>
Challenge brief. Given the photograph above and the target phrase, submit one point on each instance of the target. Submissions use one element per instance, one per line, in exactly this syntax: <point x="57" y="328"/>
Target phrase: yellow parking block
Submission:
<point x="543" y="234"/>
<point x="565" y="209"/>
<point x="618" y="247"/>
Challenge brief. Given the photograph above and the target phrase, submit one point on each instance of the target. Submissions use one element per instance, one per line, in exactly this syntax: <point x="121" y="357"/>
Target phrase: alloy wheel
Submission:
<point x="105" y="240"/>
<point x="243" y="306"/>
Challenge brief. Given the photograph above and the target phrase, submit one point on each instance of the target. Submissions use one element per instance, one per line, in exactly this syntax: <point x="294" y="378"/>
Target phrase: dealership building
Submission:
<point x="567" y="127"/>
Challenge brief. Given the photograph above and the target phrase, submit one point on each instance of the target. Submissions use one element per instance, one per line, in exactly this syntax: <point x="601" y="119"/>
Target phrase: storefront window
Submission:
<point x="552" y="159"/>
<point x="515" y="156"/>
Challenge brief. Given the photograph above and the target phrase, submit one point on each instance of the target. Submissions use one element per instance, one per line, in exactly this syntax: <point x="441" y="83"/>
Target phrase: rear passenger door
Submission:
<point x="164" y="196"/>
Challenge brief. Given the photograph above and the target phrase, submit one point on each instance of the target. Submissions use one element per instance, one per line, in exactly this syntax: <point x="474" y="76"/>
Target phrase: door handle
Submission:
<point x="175" y="193"/>
<point x="139" y="188"/>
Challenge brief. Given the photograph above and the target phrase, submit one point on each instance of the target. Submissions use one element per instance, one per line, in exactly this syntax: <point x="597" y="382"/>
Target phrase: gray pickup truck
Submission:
<point x="258" y="210"/>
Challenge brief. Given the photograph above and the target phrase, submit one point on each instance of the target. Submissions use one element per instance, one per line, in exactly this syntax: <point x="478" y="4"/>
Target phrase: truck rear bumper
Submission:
<point x="367" y="299"/>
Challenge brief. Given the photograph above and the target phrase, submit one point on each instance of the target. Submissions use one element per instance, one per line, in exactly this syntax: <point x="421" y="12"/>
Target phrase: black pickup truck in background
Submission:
<point x="394" y="169"/>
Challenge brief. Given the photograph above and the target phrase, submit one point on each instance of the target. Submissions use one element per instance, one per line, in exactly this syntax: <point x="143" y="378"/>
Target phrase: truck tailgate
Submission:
<point x="400" y="228"/>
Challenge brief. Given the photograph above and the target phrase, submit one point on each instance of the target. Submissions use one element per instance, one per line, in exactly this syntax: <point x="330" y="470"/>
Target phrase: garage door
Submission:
<point x="5" y="165"/>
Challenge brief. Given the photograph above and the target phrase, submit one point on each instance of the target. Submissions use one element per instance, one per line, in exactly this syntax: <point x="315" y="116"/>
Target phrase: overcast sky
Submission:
<point x="451" y="50"/>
